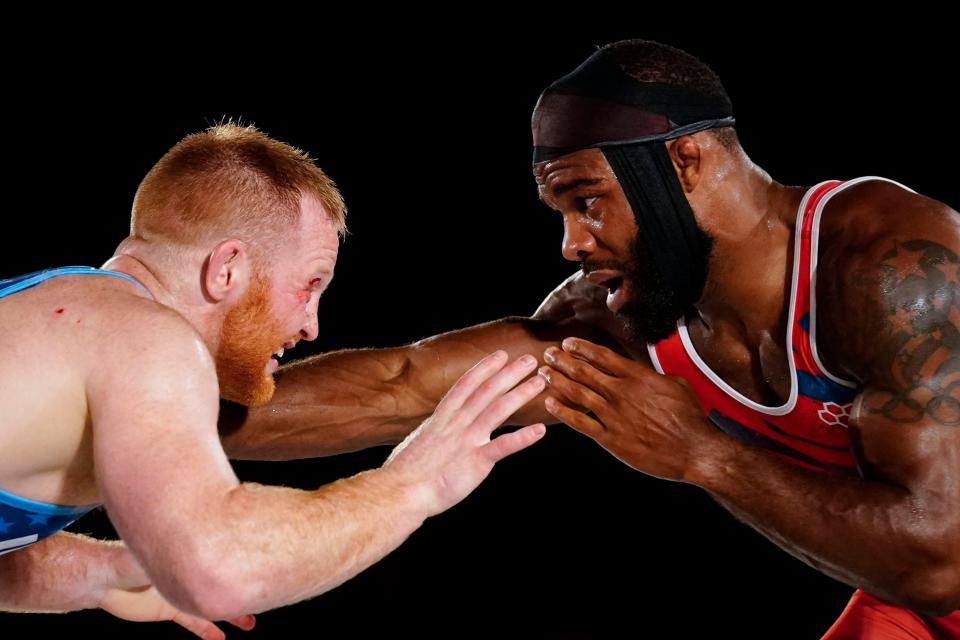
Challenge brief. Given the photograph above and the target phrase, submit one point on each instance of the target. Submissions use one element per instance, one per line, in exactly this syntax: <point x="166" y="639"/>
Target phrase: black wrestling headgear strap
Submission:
<point x="600" y="106"/>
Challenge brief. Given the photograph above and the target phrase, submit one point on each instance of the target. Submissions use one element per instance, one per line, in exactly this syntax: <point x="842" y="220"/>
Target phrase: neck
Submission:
<point x="136" y="259"/>
<point x="751" y="266"/>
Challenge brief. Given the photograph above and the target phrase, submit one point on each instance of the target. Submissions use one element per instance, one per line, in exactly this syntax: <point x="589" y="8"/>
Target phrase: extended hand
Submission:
<point x="451" y="452"/>
<point x="651" y="422"/>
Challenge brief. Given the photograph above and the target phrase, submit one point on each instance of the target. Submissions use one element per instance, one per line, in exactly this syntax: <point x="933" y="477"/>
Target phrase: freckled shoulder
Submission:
<point x="138" y="328"/>
<point x="94" y="321"/>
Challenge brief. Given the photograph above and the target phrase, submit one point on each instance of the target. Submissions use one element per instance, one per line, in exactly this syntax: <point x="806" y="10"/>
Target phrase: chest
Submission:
<point x="758" y="369"/>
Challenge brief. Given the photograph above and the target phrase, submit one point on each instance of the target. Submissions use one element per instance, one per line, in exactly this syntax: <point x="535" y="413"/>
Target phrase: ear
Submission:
<point x="687" y="156"/>
<point x="227" y="271"/>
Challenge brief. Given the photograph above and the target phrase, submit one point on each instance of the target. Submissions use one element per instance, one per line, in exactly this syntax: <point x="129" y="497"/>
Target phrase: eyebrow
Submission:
<point x="569" y="185"/>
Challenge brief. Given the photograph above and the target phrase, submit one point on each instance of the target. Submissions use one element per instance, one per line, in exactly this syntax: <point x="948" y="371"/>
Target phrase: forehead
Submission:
<point x="316" y="229"/>
<point x="586" y="165"/>
<point x="313" y="244"/>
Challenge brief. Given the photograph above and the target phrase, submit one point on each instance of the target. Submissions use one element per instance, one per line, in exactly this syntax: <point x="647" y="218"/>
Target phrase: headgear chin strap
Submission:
<point x="599" y="106"/>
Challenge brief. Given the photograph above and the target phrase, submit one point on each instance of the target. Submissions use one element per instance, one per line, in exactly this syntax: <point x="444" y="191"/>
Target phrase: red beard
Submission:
<point x="248" y="337"/>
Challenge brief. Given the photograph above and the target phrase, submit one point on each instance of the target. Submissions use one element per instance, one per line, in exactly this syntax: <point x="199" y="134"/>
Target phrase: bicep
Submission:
<point x="904" y="320"/>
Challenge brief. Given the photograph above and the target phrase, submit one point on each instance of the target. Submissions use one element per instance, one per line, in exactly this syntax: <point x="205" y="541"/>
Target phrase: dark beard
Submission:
<point x="652" y="312"/>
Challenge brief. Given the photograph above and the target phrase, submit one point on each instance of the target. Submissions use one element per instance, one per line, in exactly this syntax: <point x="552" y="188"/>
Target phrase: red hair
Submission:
<point x="229" y="181"/>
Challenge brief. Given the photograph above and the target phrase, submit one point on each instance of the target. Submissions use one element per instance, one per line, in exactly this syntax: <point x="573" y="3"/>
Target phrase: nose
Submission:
<point x="311" y="328"/>
<point x="578" y="242"/>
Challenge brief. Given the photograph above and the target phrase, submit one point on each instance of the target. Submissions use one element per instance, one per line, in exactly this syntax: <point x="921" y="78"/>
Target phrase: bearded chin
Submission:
<point x="241" y="381"/>
<point x="652" y="316"/>
<point x="652" y="313"/>
<point x="247" y="339"/>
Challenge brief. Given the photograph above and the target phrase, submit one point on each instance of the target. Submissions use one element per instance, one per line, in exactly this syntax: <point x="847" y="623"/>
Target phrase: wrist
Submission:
<point x="415" y="498"/>
<point x="106" y="570"/>
<point x="712" y="461"/>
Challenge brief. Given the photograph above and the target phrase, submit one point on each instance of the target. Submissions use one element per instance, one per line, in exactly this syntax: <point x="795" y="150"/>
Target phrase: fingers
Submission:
<point x="497" y="385"/>
<point x="572" y="391"/>
<point x="598" y="356"/>
<point x="198" y="626"/>
<point x="493" y="415"/>
<point x="579" y="371"/>
<point x="244" y="622"/>
<point x="468" y="382"/>
<point x="509" y="443"/>
<point x="575" y="419"/>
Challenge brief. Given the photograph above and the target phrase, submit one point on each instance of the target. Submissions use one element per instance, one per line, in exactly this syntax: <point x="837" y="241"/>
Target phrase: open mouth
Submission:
<point x="612" y="284"/>
<point x="606" y="278"/>
<point x="613" y="281"/>
<point x="275" y="358"/>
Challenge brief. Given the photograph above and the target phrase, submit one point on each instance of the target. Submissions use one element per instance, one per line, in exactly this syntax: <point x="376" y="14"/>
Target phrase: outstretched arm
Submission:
<point x="353" y="399"/>
<point x="218" y="548"/>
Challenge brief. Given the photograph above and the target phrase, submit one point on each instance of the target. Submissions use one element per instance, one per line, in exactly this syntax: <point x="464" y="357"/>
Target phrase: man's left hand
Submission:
<point x="651" y="422"/>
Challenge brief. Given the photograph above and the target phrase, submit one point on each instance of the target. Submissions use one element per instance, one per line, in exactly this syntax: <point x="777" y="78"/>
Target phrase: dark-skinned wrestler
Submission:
<point x="806" y="339"/>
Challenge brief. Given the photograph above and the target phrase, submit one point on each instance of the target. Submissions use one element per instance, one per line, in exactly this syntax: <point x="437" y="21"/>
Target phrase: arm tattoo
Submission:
<point x="920" y="356"/>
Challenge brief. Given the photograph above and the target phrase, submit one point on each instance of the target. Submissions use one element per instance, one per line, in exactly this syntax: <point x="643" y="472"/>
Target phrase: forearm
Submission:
<point x="266" y="547"/>
<point x="349" y="400"/>
<point x="65" y="572"/>
<point x="324" y="405"/>
<point x="892" y="542"/>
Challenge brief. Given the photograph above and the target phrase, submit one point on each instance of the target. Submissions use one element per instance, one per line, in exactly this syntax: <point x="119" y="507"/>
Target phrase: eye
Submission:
<point x="589" y="206"/>
<point x="312" y="287"/>
<point x="587" y="202"/>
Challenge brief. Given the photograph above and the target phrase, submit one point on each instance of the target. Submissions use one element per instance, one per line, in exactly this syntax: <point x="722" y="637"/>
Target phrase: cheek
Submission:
<point x="622" y="227"/>
<point x="287" y="308"/>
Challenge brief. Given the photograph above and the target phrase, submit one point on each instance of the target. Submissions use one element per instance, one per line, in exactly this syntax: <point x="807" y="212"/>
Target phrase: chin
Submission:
<point x="263" y="393"/>
<point x="262" y="396"/>
<point x="247" y="392"/>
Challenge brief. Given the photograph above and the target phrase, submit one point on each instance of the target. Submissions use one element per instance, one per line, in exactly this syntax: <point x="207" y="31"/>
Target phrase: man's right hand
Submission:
<point x="129" y="595"/>
<point x="451" y="453"/>
<point x="145" y="604"/>
<point x="578" y="299"/>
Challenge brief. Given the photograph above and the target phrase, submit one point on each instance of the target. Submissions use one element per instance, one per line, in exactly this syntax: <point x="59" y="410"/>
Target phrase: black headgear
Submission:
<point x="598" y="105"/>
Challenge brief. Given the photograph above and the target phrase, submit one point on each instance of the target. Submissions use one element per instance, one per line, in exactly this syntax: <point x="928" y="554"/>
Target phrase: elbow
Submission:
<point x="213" y="589"/>
<point x="221" y="602"/>
<point x="930" y="583"/>
<point x="935" y="591"/>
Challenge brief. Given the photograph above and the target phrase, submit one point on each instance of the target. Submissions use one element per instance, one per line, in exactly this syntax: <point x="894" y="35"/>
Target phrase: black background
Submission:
<point x="427" y="134"/>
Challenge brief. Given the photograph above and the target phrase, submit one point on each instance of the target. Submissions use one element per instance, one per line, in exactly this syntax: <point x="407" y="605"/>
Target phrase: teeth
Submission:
<point x="279" y="352"/>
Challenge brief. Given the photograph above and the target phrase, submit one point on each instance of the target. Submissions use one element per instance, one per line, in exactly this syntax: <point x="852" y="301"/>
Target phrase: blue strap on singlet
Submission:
<point x="19" y="283"/>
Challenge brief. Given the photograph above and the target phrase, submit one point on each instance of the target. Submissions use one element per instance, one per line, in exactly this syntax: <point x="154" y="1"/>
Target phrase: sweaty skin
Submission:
<point x="887" y="318"/>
